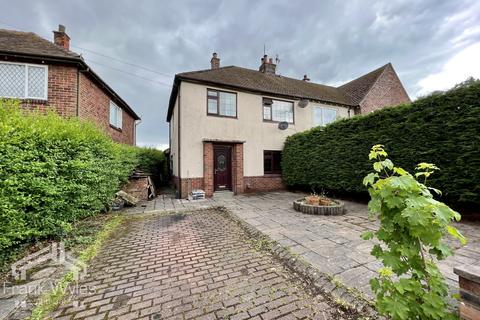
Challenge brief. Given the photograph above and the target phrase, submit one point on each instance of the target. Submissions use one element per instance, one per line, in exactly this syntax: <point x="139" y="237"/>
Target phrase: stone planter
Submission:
<point x="335" y="210"/>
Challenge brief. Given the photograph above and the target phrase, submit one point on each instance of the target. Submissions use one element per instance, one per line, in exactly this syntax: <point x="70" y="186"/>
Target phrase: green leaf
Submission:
<point x="367" y="235"/>
<point x="370" y="178"/>
<point x="456" y="234"/>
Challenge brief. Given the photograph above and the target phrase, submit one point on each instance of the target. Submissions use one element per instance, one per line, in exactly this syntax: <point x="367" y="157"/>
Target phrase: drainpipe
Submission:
<point x="179" y="144"/>
<point x="136" y="123"/>
<point x="78" y="93"/>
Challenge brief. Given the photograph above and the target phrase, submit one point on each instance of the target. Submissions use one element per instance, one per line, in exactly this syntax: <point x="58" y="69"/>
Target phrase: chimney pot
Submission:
<point x="267" y="65"/>
<point x="60" y="38"/>
<point x="215" y="61"/>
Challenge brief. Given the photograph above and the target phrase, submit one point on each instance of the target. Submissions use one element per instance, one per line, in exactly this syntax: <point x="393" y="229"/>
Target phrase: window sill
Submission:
<point x="272" y="175"/>
<point x="116" y="128"/>
<point x="28" y="100"/>
<point x="220" y="116"/>
<point x="272" y="121"/>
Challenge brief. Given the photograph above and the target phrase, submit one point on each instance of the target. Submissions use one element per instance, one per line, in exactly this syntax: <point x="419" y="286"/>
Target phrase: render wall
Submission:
<point x="248" y="126"/>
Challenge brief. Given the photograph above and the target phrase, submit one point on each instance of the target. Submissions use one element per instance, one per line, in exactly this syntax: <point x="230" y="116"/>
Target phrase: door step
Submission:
<point x="223" y="194"/>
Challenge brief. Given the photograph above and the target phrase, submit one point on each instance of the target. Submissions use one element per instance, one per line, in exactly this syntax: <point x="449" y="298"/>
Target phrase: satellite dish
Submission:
<point x="303" y="103"/>
<point x="283" y="125"/>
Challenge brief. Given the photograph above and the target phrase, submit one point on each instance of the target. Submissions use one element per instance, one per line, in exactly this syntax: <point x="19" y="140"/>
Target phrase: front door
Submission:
<point x="222" y="166"/>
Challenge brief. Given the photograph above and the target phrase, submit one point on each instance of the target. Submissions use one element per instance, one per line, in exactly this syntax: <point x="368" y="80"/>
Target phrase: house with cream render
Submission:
<point x="228" y="124"/>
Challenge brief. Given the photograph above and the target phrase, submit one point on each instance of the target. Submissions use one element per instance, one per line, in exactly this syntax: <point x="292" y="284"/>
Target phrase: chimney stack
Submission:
<point x="306" y="78"/>
<point x="267" y="65"/>
<point x="215" y="61"/>
<point x="60" y="38"/>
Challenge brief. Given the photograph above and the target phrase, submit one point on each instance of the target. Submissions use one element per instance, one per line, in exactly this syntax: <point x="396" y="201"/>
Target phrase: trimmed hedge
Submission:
<point x="443" y="129"/>
<point x="54" y="171"/>
<point x="154" y="161"/>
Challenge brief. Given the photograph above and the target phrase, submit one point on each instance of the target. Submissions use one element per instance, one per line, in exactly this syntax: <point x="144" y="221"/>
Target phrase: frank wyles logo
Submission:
<point x="54" y="253"/>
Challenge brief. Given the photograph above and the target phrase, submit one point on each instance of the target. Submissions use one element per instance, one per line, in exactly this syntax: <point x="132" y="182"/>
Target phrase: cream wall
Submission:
<point x="174" y="139"/>
<point x="249" y="127"/>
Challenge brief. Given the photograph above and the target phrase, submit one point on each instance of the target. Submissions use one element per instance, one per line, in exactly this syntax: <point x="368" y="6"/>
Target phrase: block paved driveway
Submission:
<point x="332" y="244"/>
<point x="197" y="265"/>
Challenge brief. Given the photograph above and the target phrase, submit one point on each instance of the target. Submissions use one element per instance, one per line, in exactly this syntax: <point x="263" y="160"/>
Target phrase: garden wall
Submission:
<point x="443" y="129"/>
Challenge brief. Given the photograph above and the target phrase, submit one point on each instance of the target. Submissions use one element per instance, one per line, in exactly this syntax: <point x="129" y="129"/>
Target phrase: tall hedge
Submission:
<point x="443" y="129"/>
<point x="154" y="161"/>
<point x="53" y="171"/>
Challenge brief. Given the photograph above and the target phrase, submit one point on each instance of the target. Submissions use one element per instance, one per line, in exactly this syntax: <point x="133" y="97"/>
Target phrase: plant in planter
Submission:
<point x="319" y="204"/>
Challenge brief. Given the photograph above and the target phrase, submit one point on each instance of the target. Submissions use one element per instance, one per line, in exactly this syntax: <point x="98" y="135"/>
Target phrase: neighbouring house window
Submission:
<point x="115" y="115"/>
<point x="221" y="103"/>
<point x="277" y="110"/>
<point x="323" y="116"/>
<point x="23" y="81"/>
<point x="271" y="161"/>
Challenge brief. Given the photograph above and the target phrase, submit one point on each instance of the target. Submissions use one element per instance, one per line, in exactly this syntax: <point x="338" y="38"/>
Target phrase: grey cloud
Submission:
<point x="331" y="41"/>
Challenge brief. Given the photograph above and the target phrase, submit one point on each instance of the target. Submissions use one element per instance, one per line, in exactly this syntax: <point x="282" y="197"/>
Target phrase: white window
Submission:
<point x="23" y="81"/>
<point x="277" y="110"/>
<point x="115" y="115"/>
<point x="323" y="116"/>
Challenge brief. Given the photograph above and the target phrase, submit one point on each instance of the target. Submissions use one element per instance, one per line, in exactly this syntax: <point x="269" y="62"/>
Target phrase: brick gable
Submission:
<point x="386" y="91"/>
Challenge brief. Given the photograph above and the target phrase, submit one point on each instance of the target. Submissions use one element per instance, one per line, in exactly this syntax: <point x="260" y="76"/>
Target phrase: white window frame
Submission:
<point x="25" y="94"/>
<point x="119" y="119"/>
<point x="323" y="124"/>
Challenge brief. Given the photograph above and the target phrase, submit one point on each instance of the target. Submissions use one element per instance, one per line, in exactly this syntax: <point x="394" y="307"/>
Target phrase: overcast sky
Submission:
<point x="432" y="44"/>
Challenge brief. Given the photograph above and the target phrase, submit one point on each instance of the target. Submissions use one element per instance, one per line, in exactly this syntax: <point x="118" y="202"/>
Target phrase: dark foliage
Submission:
<point x="442" y="128"/>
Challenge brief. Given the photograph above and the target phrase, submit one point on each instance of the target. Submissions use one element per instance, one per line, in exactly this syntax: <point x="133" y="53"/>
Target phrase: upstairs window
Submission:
<point x="221" y="103"/>
<point x="115" y="115"/>
<point x="23" y="81"/>
<point x="271" y="161"/>
<point x="323" y="116"/>
<point x="277" y="110"/>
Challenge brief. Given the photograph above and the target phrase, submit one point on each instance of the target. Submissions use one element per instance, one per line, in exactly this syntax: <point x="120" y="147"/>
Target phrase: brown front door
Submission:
<point x="222" y="166"/>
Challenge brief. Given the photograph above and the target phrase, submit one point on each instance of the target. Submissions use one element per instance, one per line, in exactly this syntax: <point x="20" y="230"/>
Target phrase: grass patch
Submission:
<point x="51" y="300"/>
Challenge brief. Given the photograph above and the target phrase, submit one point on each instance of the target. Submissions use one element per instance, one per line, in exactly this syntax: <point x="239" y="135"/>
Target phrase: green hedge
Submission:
<point x="154" y="161"/>
<point x="54" y="171"/>
<point x="443" y="129"/>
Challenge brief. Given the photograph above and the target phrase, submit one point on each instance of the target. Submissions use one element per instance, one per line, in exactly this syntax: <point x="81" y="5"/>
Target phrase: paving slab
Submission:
<point x="331" y="243"/>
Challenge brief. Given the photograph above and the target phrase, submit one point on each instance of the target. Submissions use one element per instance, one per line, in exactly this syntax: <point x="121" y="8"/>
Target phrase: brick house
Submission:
<point x="228" y="124"/>
<point x="41" y="73"/>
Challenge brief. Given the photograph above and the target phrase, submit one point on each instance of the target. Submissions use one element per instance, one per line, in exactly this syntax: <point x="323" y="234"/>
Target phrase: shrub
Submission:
<point x="153" y="161"/>
<point x="53" y="171"/>
<point x="412" y="227"/>
<point x="441" y="129"/>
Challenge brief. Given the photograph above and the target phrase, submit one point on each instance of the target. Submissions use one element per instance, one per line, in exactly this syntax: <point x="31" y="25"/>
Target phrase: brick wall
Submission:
<point x="95" y="106"/>
<point x="208" y="168"/>
<point x="469" y="282"/>
<point x="188" y="185"/>
<point x="387" y="91"/>
<point x="263" y="183"/>
<point x="137" y="187"/>
<point x="237" y="164"/>
<point x="62" y="91"/>
<point x="94" y="103"/>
